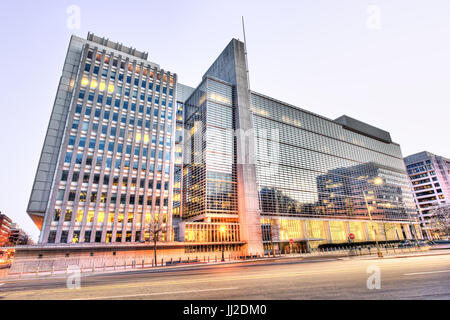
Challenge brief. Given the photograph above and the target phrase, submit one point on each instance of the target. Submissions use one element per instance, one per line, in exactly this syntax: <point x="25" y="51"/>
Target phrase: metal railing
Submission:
<point x="32" y="268"/>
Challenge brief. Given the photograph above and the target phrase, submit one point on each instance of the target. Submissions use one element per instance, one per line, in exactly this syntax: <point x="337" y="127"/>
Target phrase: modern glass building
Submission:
<point x="218" y="165"/>
<point x="316" y="174"/>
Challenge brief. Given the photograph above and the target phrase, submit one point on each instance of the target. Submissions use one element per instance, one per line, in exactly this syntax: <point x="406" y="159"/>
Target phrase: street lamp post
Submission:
<point x="222" y="231"/>
<point x="376" y="181"/>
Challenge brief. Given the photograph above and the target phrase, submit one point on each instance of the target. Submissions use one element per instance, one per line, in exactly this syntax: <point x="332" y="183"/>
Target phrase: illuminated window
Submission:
<point x="94" y="84"/>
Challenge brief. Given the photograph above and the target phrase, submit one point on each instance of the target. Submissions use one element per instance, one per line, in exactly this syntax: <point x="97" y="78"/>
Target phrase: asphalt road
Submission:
<point x="426" y="277"/>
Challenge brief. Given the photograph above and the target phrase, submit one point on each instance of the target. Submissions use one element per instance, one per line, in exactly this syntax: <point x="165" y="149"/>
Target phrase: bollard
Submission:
<point x="152" y="263"/>
<point x="208" y="258"/>
<point x="162" y="262"/>
<point x="180" y="260"/>
<point x="188" y="259"/>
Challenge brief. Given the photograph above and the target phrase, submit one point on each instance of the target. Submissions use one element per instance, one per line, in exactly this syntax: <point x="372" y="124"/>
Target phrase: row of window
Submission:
<point x="103" y="197"/>
<point x="137" y="70"/>
<point x="101" y="99"/>
<point x="111" y="144"/>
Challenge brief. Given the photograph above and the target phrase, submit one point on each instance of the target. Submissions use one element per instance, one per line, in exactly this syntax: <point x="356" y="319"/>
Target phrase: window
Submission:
<point x="64" y="236"/>
<point x="85" y="126"/>
<point x="72" y="140"/>
<point x="57" y="215"/>
<point x="68" y="215"/>
<point x="51" y="237"/>
<point x="98" y="236"/>
<point x="101" y="145"/>
<point x="82" y="142"/>
<point x="92" y="142"/>
<point x="87" y="236"/>
<point x="60" y="195"/>
<point x="79" y="158"/>
<point x="64" y="175"/>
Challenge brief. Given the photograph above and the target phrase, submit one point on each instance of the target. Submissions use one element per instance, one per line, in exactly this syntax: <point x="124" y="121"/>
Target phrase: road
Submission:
<point x="426" y="277"/>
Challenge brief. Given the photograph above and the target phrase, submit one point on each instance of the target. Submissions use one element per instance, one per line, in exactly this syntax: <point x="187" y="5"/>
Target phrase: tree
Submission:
<point x="154" y="230"/>
<point x="439" y="221"/>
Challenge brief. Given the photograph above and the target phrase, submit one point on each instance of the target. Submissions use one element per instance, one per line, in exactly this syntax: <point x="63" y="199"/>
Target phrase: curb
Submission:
<point x="203" y="264"/>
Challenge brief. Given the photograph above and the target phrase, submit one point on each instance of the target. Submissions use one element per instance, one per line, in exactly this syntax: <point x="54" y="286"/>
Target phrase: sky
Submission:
<point x="384" y="62"/>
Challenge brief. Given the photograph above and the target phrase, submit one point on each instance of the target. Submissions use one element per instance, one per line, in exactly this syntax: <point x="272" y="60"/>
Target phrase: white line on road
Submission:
<point x="155" y="294"/>
<point x="1" y="284"/>
<point x="426" y="272"/>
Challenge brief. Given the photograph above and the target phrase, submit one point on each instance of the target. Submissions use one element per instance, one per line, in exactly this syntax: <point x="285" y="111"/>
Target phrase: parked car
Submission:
<point x="405" y="244"/>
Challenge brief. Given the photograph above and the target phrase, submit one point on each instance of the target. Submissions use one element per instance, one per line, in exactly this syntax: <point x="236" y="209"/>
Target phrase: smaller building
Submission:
<point x="18" y="237"/>
<point x="5" y="228"/>
<point x="429" y="175"/>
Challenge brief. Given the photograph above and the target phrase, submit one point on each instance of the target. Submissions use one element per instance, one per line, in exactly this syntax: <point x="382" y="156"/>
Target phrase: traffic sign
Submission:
<point x="291" y="241"/>
<point x="351" y="236"/>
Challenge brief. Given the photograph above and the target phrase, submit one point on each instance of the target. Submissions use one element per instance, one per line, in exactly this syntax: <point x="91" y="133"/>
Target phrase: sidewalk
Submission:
<point x="338" y="255"/>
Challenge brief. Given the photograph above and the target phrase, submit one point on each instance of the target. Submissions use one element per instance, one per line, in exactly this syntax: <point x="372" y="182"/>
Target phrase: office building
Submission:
<point x="216" y="166"/>
<point x="106" y="168"/>
<point x="430" y="183"/>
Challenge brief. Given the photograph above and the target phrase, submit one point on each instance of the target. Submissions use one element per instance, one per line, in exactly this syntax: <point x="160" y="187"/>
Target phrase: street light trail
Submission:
<point x="156" y="294"/>
<point x="333" y="279"/>
<point x="426" y="272"/>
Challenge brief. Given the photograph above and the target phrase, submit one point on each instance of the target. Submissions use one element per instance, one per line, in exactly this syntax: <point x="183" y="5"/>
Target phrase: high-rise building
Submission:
<point x="235" y="168"/>
<point x="430" y="184"/>
<point x="106" y="168"/>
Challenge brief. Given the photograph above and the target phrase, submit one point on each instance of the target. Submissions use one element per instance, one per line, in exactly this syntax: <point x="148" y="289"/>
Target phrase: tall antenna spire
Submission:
<point x="245" y="52"/>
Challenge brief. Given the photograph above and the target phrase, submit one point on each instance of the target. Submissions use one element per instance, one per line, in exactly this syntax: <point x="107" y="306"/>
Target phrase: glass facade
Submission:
<point x="209" y="170"/>
<point x="132" y="154"/>
<point x="310" y="167"/>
